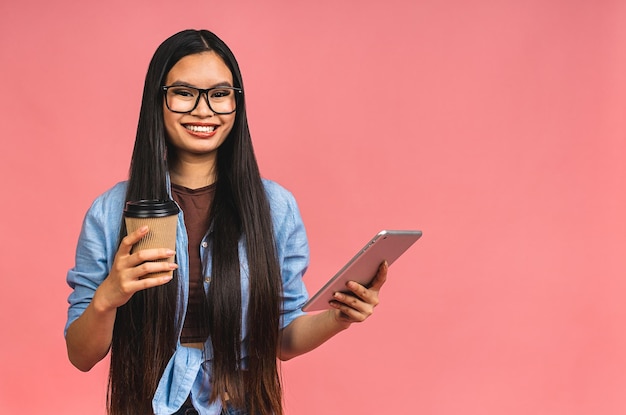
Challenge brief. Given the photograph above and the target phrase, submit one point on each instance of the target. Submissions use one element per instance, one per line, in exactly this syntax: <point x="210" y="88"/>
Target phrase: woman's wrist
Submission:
<point x="340" y="322"/>
<point x="101" y="306"/>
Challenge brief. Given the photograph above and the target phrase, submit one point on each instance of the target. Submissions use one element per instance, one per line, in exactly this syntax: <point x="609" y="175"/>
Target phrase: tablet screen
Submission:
<point x="386" y="245"/>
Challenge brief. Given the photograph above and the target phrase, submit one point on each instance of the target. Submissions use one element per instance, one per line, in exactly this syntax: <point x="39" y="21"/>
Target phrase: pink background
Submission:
<point x="496" y="127"/>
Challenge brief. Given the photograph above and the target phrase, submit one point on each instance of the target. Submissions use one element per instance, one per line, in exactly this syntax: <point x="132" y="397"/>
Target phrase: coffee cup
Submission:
<point x="161" y="218"/>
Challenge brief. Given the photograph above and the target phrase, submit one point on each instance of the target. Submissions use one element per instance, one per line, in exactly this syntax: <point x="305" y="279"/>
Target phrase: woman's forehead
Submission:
<point x="200" y="69"/>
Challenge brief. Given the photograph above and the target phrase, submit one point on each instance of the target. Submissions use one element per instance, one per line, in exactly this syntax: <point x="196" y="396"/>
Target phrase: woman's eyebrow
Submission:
<point x="217" y="85"/>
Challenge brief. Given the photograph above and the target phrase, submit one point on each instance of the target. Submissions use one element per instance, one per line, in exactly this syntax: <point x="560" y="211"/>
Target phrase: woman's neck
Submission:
<point x="192" y="174"/>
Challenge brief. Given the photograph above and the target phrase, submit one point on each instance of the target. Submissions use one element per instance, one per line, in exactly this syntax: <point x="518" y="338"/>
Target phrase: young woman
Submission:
<point x="205" y="340"/>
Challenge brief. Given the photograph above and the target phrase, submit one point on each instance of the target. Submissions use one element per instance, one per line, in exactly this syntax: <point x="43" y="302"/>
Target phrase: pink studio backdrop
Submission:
<point x="496" y="127"/>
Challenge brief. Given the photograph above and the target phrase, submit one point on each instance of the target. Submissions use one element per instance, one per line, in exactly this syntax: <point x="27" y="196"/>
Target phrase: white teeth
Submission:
<point x="200" y="128"/>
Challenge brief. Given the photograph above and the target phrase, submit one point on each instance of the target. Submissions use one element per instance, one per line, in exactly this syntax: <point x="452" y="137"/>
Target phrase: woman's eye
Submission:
<point x="220" y="93"/>
<point x="183" y="92"/>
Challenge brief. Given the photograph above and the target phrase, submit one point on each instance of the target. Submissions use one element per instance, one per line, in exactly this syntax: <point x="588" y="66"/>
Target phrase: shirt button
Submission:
<point x="207" y="279"/>
<point x="204" y="244"/>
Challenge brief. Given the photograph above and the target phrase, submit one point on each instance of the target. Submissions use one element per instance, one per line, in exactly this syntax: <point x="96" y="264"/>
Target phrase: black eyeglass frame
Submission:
<point x="202" y="92"/>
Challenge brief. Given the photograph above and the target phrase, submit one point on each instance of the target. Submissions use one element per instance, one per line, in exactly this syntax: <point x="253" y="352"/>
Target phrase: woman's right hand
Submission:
<point x="89" y="337"/>
<point x="130" y="272"/>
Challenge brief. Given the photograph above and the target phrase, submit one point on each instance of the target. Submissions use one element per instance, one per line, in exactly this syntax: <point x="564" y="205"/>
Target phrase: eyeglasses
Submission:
<point x="183" y="99"/>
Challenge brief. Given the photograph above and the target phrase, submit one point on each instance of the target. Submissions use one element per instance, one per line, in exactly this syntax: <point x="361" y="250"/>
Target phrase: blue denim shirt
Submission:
<point x="189" y="369"/>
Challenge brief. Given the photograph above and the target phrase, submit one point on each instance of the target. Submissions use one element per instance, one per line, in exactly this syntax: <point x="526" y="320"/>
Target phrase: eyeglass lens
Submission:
<point x="186" y="99"/>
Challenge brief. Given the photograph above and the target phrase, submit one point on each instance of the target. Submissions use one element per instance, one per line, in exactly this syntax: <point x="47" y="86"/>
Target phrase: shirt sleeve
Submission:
<point x="293" y="252"/>
<point x="94" y="254"/>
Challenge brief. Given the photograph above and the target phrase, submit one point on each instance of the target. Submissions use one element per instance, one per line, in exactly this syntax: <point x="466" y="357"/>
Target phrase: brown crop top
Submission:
<point x="196" y="206"/>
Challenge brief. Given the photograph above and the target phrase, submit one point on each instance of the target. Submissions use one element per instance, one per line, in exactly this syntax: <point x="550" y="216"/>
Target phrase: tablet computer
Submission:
<point x="385" y="245"/>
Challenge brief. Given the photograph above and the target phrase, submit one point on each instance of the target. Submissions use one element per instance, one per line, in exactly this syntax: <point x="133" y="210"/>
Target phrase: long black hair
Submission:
<point x="146" y="328"/>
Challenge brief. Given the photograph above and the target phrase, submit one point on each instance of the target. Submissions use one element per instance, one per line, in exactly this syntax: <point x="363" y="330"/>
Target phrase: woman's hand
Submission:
<point x="358" y="306"/>
<point x="309" y="331"/>
<point x="89" y="337"/>
<point x="131" y="272"/>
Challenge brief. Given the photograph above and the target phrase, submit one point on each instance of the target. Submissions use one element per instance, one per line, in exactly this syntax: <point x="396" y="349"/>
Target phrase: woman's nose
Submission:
<point x="203" y="108"/>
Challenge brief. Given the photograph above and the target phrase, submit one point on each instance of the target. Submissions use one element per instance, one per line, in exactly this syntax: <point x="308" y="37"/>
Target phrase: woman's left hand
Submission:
<point x="359" y="305"/>
<point x="308" y="331"/>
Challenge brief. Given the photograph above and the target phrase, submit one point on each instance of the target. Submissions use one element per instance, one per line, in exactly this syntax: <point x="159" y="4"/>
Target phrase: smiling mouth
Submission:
<point x="201" y="128"/>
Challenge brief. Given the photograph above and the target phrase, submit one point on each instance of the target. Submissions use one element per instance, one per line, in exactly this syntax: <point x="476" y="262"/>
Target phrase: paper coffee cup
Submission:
<point x="161" y="218"/>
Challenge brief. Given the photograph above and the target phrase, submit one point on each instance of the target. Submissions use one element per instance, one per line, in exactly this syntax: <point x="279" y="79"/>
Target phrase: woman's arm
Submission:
<point x="88" y="338"/>
<point x="309" y="331"/>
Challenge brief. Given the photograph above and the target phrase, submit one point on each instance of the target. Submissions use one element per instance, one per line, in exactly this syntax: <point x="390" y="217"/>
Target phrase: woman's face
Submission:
<point x="199" y="133"/>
